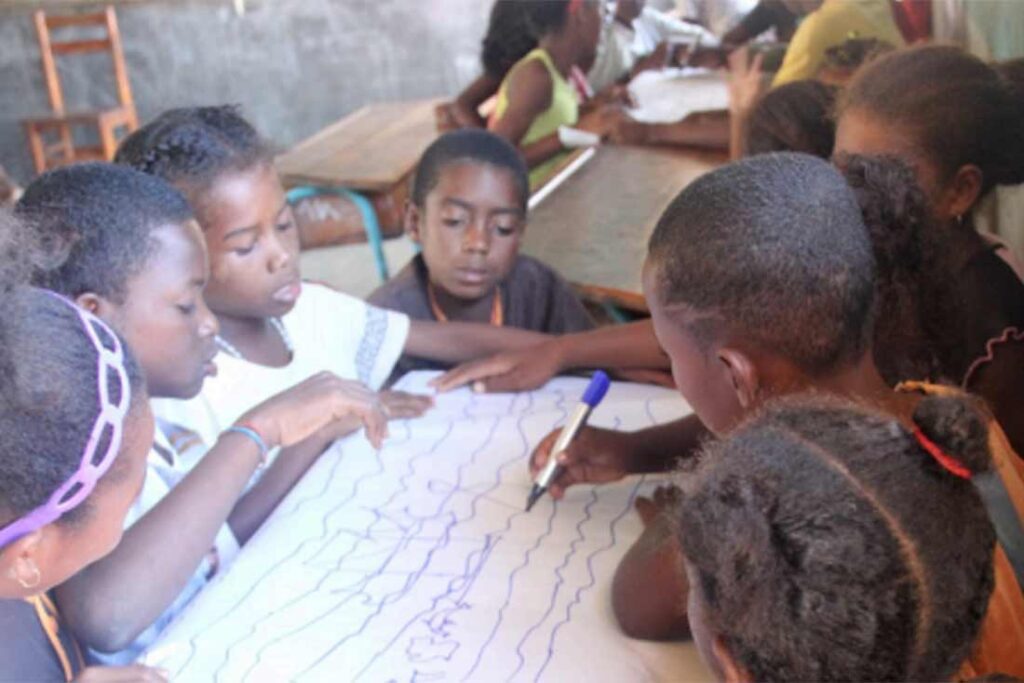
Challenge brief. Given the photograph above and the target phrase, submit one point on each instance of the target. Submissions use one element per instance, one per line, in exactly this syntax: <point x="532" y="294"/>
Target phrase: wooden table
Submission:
<point x="593" y="229"/>
<point x="373" y="151"/>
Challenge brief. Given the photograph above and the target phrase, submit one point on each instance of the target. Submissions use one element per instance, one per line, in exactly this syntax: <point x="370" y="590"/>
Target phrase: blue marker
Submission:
<point x="595" y="392"/>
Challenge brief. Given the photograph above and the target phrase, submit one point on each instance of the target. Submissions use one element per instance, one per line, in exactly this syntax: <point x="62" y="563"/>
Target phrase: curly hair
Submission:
<point x="191" y="147"/>
<point x="48" y="398"/>
<point x="828" y="545"/>
<point x="96" y="221"/>
<point x="919" y="313"/>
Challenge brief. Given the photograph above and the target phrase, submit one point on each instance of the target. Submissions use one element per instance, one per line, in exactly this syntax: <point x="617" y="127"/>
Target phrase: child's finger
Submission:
<point x="646" y="508"/>
<point x="468" y="373"/>
<point x="506" y="383"/>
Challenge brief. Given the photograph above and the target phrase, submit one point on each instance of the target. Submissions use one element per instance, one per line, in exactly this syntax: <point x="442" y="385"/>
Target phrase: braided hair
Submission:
<point x="826" y="544"/>
<point x="192" y="146"/>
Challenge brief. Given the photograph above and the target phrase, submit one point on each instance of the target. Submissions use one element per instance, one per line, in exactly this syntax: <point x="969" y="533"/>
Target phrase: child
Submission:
<point x="64" y="493"/>
<point x="536" y="101"/>
<point x="508" y="39"/>
<point x="796" y="117"/>
<point x="276" y="331"/>
<point x="468" y="213"/>
<point x="742" y="320"/>
<point x="135" y="258"/>
<point x="958" y="124"/>
<point x="829" y="23"/>
<point x="815" y="551"/>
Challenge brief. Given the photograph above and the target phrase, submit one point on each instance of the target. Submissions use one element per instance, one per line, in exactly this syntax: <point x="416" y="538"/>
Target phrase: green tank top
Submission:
<point x="564" y="110"/>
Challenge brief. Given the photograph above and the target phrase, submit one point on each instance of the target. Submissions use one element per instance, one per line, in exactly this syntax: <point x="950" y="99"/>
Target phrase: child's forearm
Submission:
<point x="263" y="498"/>
<point x="111" y="602"/>
<point x="705" y="131"/>
<point x="649" y="589"/>
<point x="659" y="448"/>
<point x="617" y="346"/>
<point x="539" y="151"/>
<point x="459" y="342"/>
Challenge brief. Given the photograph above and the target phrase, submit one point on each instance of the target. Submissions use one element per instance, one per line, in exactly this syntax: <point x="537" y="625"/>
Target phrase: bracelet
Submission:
<point x="256" y="438"/>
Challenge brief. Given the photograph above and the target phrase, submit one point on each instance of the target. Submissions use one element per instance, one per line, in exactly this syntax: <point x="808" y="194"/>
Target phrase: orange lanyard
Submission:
<point x="497" y="309"/>
<point x="46" y="611"/>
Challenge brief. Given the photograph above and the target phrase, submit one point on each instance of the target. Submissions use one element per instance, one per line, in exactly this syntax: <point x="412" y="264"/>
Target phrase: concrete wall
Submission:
<point x="294" y="65"/>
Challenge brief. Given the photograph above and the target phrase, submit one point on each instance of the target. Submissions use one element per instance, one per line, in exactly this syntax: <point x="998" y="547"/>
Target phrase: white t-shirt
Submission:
<point x="166" y="466"/>
<point x="652" y="28"/>
<point x="328" y="330"/>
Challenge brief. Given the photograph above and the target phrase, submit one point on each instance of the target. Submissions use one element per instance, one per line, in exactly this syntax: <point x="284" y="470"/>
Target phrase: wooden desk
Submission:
<point x="593" y="229"/>
<point x="373" y="151"/>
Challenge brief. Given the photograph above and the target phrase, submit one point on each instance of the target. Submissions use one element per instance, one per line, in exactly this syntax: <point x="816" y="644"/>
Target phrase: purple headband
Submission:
<point x="109" y="423"/>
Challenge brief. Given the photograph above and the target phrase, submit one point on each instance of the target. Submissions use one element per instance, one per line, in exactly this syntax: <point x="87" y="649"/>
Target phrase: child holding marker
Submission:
<point x="134" y="257"/>
<point x="807" y="325"/>
<point x="76" y="425"/>
<point x="275" y="330"/>
<point x="468" y="213"/>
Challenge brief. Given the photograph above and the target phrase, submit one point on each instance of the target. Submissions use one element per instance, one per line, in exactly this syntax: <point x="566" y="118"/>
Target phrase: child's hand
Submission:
<point x="651" y="509"/>
<point x="596" y="456"/>
<point x="520" y="370"/>
<point x="745" y="80"/>
<point x="311" y="405"/>
<point x="399" y="405"/>
<point x="135" y="673"/>
<point x="625" y="130"/>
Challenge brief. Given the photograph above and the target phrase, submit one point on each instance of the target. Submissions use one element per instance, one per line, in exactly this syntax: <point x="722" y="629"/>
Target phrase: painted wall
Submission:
<point x="293" y="65"/>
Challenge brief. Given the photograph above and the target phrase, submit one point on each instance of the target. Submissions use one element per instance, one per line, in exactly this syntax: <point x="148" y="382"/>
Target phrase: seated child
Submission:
<point x="829" y="23"/>
<point x="134" y="256"/>
<point x="956" y="121"/>
<point x="815" y="551"/>
<point x="275" y="330"/>
<point x="807" y="324"/>
<point x="536" y="99"/>
<point x="468" y="213"/>
<point x="508" y="39"/>
<point x="66" y="375"/>
<point x="795" y="117"/>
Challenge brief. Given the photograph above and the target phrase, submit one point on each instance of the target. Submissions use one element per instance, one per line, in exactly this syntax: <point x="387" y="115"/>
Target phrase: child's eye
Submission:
<point x="286" y="226"/>
<point x="506" y="230"/>
<point x="187" y="309"/>
<point x="451" y="222"/>
<point x="243" y="251"/>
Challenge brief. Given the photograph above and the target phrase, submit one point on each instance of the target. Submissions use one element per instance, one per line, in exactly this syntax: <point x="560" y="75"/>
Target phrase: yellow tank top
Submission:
<point x="564" y="110"/>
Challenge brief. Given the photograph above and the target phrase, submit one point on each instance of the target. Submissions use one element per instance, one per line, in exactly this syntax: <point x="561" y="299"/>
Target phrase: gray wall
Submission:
<point x="294" y="65"/>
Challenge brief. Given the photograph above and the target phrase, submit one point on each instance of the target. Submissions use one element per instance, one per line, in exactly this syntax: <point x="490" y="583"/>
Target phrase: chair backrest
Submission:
<point x="110" y="42"/>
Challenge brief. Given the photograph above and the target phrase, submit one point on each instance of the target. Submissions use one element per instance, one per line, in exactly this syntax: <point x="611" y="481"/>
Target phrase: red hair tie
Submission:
<point x="949" y="463"/>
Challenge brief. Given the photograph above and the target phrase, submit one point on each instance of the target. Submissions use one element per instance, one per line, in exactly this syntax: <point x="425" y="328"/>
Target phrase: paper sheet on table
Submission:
<point x="418" y="562"/>
<point x="673" y="94"/>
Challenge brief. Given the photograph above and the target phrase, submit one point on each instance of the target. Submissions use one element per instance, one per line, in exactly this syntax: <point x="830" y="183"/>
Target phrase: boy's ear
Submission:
<point x="412" y="222"/>
<point x="964" y="190"/>
<point x="742" y="374"/>
<point x="732" y="671"/>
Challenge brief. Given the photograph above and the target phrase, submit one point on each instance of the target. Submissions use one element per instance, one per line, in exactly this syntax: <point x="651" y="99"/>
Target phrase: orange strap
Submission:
<point x="497" y="308"/>
<point x="46" y="611"/>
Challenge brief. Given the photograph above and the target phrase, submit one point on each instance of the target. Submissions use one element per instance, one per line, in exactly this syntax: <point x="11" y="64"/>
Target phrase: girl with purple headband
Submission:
<point x="76" y="426"/>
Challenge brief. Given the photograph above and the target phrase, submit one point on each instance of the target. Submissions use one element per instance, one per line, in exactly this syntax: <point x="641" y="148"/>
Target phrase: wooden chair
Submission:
<point x="51" y="138"/>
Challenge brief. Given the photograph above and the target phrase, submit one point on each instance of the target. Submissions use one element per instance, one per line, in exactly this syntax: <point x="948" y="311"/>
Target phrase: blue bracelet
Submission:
<point x="255" y="436"/>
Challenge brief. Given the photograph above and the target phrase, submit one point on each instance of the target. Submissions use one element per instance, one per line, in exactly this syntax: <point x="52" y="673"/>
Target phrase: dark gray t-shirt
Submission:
<point x="533" y="296"/>
<point x="25" y="651"/>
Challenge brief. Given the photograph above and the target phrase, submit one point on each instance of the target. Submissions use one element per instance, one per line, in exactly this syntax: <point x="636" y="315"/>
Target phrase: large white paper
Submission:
<point x="419" y="563"/>
<point x="671" y="95"/>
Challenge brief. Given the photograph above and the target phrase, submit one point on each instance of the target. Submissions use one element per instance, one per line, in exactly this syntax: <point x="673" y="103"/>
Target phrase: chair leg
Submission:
<point x="35" y="145"/>
<point x="370" y="223"/>
<point x="108" y="141"/>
